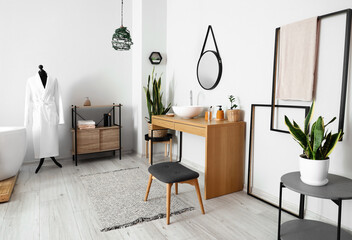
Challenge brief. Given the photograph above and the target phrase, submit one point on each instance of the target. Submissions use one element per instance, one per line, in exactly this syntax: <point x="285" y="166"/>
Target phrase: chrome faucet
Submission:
<point x="190" y="97"/>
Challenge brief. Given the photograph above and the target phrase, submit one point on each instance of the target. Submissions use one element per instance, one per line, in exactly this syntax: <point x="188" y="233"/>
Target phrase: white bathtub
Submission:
<point x="13" y="145"/>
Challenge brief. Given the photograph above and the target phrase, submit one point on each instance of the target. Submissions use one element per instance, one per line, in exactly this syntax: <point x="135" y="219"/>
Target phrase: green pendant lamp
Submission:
<point x="121" y="39"/>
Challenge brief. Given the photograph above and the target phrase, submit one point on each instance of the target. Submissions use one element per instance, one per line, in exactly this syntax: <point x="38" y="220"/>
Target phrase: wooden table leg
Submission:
<point x="170" y="147"/>
<point x="165" y="153"/>
<point x="148" y="187"/>
<point x="168" y="197"/>
<point x="150" y="151"/>
<point x="199" y="195"/>
<point x="146" y="149"/>
<point x="224" y="167"/>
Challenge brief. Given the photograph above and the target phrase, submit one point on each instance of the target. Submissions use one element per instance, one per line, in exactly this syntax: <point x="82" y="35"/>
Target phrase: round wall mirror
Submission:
<point x="209" y="69"/>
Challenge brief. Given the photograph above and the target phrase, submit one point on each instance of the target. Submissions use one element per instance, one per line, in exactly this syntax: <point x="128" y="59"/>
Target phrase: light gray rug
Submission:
<point x="118" y="198"/>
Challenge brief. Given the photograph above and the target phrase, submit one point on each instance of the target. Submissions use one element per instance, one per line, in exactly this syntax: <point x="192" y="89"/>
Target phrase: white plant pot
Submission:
<point x="314" y="172"/>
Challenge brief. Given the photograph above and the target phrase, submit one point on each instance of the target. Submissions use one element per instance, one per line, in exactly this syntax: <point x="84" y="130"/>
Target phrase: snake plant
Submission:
<point x="154" y="97"/>
<point x="317" y="143"/>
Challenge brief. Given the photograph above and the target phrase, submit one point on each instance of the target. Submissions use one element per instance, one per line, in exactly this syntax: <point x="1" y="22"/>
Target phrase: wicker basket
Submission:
<point x="156" y="133"/>
<point x="233" y="115"/>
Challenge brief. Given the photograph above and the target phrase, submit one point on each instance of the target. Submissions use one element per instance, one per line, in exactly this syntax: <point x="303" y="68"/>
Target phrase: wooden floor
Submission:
<point x="53" y="205"/>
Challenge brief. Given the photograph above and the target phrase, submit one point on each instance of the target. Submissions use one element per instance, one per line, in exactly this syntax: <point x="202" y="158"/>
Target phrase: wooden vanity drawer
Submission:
<point x="200" y="131"/>
<point x="162" y="123"/>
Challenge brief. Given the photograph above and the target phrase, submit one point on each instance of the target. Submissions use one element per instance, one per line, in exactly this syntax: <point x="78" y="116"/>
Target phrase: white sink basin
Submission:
<point x="187" y="112"/>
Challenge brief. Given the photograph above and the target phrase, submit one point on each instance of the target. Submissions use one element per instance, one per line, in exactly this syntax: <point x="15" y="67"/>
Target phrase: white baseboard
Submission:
<point x="192" y="165"/>
<point x="65" y="158"/>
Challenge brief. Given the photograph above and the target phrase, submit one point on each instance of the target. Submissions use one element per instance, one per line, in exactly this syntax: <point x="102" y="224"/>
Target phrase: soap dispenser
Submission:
<point x="220" y="113"/>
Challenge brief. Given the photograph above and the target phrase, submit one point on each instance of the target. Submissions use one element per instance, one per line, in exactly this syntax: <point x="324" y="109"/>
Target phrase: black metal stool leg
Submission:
<point x="151" y="147"/>
<point x="179" y="160"/>
<point x="339" y="203"/>
<point x="301" y="206"/>
<point x="57" y="164"/>
<point x="279" y="221"/>
<point x="40" y="165"/>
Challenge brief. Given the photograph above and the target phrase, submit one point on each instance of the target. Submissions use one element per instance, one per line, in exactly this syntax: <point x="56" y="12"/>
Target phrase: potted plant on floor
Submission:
<point x="317" y="145"/>
<point x="155" y="104"/>
<point x="233" y="114"/>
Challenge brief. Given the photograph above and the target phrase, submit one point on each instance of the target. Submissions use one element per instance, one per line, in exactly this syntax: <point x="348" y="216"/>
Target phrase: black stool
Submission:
<point x="170" y="173"/>
<point x="148" y="144"/>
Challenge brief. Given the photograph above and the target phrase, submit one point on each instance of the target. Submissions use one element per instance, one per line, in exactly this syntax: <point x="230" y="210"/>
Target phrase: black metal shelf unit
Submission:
<point x="111" y="109"/>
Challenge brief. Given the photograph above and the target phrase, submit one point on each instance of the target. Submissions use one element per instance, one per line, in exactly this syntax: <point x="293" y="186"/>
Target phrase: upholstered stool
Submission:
<point x="170" y="173"/>
<point x="167" y="140"/>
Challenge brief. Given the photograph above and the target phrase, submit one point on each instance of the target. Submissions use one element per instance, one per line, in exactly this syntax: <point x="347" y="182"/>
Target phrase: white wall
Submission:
<point x="245" y="32"/>
<point x="150" y="21"/>
<point x="136" y="75"/>
<point x="72" y="39"/>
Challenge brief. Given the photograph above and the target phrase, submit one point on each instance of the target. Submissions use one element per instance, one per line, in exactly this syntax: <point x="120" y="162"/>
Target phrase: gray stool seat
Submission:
<point x="172" y="172"/>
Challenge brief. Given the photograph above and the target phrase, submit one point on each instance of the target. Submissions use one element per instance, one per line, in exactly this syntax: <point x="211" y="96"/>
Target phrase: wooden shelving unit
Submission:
<point x="99" y="139"/>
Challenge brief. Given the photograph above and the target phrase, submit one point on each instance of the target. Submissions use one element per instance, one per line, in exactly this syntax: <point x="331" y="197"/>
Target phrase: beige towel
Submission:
<point x="86" y="126"/>
<point x="297" y="60"/>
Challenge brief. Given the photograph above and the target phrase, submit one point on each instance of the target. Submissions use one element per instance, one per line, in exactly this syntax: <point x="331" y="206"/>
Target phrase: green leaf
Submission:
<point x="149" y="102"/>
<point x="312" y="133"/>
<point x="330" y="121"/>
<point x="308" y="150"/>
<point x="318" y="136"/>
<point x="327" y="145"/>
<point x="296" y="132"/>
<point x="308" y="118"/>
<point x="334" y="139"/>
<point x="295" y="125"/>
<point x="166" y="109"/>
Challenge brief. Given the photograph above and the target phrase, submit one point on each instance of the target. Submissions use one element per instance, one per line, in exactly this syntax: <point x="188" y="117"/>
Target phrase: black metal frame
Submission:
<point x="348" y="13"/>
<point x="249" y="173"/>
<point x="217" y="55"/>
<point x="338" y="202"/>
<point x="151" y="147"/>
<point x="74" y="114"/>
<point x="156" y="61"/>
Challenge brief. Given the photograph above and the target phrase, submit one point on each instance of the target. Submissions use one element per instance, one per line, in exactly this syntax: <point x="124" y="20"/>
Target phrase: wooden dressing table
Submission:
<point x="224" y="151"/>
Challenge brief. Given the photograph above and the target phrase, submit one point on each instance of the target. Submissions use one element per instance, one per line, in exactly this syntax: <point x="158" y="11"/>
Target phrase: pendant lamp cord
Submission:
<point x="121" y="13"/>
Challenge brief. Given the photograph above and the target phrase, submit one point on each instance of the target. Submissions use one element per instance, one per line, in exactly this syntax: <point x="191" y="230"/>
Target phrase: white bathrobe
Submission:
<point x="43" y="111"/>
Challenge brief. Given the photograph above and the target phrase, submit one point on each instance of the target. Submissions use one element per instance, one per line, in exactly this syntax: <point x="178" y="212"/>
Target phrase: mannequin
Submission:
<point x="44" y="78"/>
<point x="43" y="75"/>
<point x="43" y="112"/>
